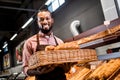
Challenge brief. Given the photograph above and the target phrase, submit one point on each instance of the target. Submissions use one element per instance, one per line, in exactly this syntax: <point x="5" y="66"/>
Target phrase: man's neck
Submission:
<point x="48" y="34"/>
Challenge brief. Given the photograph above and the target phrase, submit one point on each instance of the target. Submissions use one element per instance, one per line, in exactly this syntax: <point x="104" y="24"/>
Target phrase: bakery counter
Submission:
<point x="97" y="70"/>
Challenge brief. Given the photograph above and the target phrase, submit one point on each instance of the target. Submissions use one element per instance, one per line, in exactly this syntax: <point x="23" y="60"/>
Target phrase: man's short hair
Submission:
<point x="45" y="10"/>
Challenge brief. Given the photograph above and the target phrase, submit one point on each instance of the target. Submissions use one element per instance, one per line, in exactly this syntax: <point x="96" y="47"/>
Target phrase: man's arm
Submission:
<point x="25" y="56"/>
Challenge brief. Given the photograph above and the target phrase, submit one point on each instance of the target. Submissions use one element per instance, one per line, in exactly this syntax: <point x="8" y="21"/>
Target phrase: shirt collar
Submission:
<point x="44" y="35"/>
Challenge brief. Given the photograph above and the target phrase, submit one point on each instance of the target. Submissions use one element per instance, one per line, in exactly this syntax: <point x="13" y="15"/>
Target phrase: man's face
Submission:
<point x="45" y="20"/>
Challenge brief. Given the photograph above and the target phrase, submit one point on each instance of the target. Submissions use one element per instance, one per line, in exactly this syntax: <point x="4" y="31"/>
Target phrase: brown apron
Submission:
<point x="50" y="72"/>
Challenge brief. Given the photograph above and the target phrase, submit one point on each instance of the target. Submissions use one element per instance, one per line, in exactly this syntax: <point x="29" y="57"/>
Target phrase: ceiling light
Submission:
<point x="13" y="37"/>
<point x="29" y="21"/>
<point x="5" y="45"/>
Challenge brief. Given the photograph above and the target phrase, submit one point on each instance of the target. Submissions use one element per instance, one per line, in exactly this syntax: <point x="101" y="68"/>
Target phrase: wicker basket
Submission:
<point x="42" y="58"/>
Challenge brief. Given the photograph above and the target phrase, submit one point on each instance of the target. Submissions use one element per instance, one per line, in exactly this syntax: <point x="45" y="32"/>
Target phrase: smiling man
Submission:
<point x="38" y="42"/>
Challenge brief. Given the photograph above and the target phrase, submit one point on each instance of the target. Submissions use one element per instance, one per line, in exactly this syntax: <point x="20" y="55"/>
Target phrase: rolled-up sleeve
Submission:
<point x="26" y="54"/>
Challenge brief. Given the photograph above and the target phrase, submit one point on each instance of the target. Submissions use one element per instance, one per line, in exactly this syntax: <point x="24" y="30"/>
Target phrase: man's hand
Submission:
<point x="46" y="69"/>
<point x="32" y="72"/>
<point x="41" y="70"/>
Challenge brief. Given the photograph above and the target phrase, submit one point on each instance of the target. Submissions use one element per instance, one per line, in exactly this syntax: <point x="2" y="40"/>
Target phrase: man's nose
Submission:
<point x="45" y="21"/>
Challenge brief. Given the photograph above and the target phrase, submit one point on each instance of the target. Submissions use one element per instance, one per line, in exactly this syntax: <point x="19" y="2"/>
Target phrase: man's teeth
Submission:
<point x="46" y="27"/>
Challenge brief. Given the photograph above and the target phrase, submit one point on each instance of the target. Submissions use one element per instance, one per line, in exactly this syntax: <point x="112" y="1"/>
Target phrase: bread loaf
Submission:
<point x="49" y="48"/>
<point x="99" y="35"/>
<point x="105" y="70"/>
<point x="64" y="46"/>
<point x="75" y="44"/>
<point x="117" y="77"/>
<point x="80" y="75"/>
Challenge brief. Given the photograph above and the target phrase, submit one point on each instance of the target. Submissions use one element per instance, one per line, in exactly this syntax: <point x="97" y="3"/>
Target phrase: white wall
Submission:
<point x="109" y="9"/>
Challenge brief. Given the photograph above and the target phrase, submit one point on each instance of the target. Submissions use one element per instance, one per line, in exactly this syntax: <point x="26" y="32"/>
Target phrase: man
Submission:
<point x="39" y="42"/>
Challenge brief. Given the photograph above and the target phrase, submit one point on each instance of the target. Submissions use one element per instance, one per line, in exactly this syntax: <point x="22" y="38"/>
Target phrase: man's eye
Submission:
<point x="47" y="18"/>
<point x="42" y="19"/>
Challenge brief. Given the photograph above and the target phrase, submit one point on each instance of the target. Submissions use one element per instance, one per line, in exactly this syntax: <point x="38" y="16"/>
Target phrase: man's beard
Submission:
<point x="45" y="31"/>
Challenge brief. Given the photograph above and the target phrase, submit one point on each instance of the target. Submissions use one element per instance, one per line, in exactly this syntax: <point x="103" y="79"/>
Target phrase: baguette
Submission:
<point x="105" y="70"/>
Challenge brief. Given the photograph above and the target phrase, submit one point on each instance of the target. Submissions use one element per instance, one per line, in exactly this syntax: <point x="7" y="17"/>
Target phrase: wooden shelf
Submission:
<point x="103" y="41"/>
<point x="95" y="30"/>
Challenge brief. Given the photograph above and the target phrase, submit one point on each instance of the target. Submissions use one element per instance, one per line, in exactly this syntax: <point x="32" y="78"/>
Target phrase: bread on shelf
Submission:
<point x="75" y="44"/>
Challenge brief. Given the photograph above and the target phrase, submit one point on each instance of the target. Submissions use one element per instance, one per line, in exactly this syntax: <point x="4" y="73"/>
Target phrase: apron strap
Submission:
<point x="38" y="43"/>
<point x="55" y="41"/>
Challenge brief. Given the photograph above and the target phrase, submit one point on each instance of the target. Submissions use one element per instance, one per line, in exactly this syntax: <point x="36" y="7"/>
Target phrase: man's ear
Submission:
<point x="39" y="25"/>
